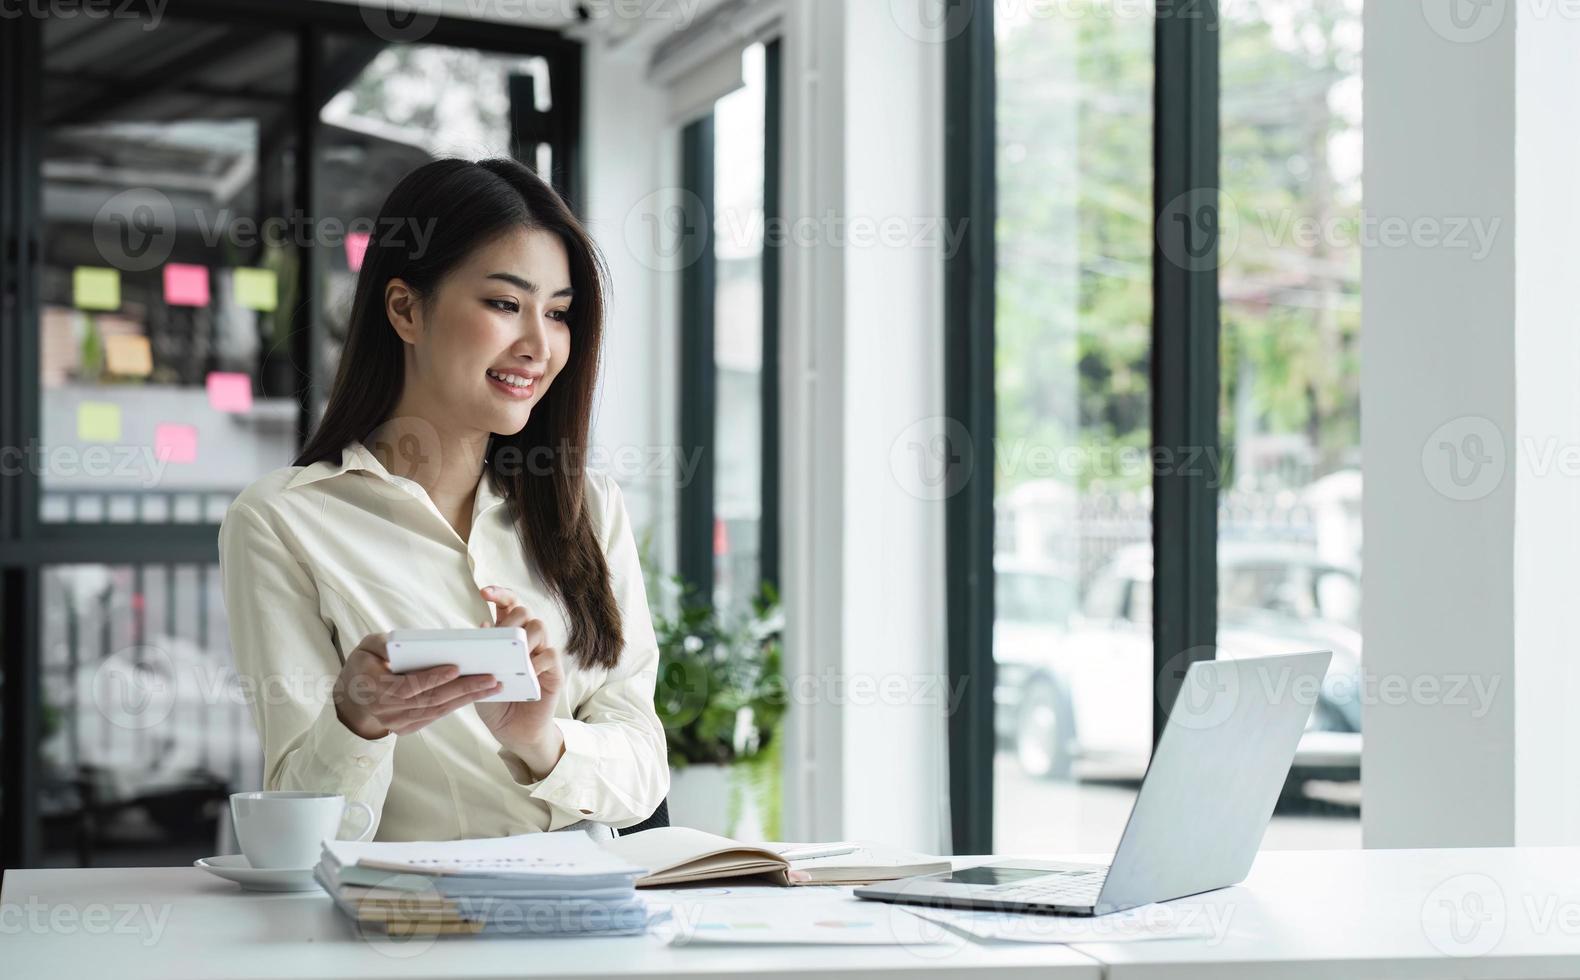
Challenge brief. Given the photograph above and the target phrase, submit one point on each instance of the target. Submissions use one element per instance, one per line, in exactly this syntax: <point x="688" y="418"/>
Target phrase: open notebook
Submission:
<point x="682" y="855"/>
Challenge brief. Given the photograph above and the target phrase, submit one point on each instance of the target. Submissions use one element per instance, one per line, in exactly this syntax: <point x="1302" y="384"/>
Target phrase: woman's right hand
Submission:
<point x="372" y="701"/>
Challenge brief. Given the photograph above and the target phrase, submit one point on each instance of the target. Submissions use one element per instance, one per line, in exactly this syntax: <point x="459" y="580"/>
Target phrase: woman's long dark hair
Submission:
<point x="465" y="205"/>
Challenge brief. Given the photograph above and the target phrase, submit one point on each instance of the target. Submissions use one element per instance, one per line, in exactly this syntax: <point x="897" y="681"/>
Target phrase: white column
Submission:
<point x="1470" y="424"/>
<point x="862" y="363"/>
<point x="1547" y="412"/>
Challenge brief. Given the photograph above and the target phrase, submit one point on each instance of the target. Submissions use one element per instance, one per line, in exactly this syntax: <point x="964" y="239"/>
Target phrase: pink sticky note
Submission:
<point x="356" y="248"/>
<point x="229" y="391"/>
<point x="175" y="442"/>
<point x="186" y="285"/>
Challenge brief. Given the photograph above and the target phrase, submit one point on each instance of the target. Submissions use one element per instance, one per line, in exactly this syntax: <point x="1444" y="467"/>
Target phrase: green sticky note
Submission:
<point x="99" y="422"/>
<point x="95" y="288"/>
<point x="257" y="289"/>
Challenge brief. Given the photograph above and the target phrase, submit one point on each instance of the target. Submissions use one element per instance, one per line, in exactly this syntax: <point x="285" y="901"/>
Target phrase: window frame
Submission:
<point x="970" y="338"/>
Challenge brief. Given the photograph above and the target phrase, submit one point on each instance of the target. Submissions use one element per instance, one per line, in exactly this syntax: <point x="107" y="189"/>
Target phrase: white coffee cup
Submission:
<point x="286" y="829"/>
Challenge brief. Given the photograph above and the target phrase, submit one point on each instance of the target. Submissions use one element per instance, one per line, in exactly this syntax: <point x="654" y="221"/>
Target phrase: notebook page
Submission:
<point x="570" y="854"/>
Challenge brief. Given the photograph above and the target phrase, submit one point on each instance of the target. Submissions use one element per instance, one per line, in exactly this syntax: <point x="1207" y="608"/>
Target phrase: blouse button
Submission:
<point x="364" y="761"/>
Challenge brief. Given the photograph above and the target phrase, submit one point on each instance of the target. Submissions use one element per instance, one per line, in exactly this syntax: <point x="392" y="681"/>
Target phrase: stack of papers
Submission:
<point x="546" y="884"/>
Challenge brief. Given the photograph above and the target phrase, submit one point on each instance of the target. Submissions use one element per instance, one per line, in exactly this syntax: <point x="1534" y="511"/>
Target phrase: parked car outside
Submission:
<point x="1074" y="685"/>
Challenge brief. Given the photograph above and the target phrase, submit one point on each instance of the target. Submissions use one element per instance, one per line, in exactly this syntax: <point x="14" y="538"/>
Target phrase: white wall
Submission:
<point x="627" y="163"/>
<point x="895" y="750"/>
<point x="1547" y="407"/>
<point x="1468" y="570"/>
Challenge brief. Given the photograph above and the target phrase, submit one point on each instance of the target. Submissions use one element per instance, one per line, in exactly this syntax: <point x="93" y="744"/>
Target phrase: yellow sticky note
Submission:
<point x="95" y="288"/>
<point x="128" y="355"/>
<point x="257" y="289"/>
<point x="99" y="422"/>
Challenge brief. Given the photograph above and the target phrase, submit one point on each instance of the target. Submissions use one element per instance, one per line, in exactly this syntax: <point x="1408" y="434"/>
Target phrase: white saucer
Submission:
<point x="234" y="867"/>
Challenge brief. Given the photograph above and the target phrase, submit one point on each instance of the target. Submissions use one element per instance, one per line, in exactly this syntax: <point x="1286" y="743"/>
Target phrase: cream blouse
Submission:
<point x="315" y="558"/>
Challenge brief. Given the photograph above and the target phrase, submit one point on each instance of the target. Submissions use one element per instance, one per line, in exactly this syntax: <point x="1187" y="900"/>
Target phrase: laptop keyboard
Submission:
<point x="1058" y="888"/>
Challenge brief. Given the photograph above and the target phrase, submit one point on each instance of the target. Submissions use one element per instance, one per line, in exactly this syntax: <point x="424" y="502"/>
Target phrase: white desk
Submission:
<point x="1367" y="914"/>
<point x="1301" y="914"/>
<point x="214" y="929"/>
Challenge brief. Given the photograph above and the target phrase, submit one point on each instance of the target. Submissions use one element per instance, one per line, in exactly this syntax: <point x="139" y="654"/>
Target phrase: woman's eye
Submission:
<point x="560" y="315"/>
<point x="505" y="305"/>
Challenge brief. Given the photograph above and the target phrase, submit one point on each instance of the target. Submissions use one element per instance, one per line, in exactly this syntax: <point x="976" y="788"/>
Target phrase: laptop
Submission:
<point x="1199" y="818"/>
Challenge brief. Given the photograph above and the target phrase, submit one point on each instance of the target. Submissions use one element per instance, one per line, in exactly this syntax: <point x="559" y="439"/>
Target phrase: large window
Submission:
<point x="1289" y="547"/>
<point x="728" y="337"/>
<point x="1072" y="632"/>
<point x="185" y="195"/>
<point x="1092" y="412"/>
<point x="738" y="189"/>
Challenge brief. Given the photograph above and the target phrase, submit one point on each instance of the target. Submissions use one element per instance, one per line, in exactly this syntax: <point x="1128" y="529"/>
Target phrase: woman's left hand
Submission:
<point x="527" y="728"/>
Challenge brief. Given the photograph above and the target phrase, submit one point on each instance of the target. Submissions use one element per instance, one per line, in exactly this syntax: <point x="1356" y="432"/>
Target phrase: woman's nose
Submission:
<point x="534" y="342"/>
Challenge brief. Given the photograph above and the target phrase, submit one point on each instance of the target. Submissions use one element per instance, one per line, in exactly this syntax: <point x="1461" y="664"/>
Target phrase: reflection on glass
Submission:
<point x="444" y="101"/>
<point x="146" y="727"/>
<point x="738" y="335"/>
<point x="409" y="104"/>
<point x="168" y="275"/>
<point x="168" y="282"/>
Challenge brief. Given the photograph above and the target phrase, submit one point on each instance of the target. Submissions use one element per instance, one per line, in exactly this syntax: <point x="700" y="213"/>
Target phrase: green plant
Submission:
<point x="720" y="690"/>
<point x="759" y="779"/>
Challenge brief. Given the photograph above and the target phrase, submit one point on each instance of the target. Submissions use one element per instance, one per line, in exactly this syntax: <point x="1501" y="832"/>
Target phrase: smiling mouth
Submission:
<point x="514" y="385"/>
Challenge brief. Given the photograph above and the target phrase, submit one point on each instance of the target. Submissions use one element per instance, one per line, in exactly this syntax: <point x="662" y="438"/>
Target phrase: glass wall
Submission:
<point x="1289" y="549"/>
<point x="1072" y="630"/>
<point x="1075" y="241"/>
<point x="176" y="335"/>
<point x="146" y="723"/>
<point x="167" y="279"/>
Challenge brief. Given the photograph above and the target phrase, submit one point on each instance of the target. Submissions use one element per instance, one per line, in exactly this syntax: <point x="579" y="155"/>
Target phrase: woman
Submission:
<point x="445" y="488"/>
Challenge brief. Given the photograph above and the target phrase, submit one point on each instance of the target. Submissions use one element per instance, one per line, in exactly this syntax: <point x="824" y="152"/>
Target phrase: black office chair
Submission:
<point x="660" y="818"/>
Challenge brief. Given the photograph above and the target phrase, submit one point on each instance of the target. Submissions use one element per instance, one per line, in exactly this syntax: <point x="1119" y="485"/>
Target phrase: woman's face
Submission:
<point x="487" y="344"/>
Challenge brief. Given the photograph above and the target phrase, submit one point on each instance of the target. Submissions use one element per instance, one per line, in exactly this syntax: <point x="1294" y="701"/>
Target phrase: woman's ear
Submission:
<point x="404" y="309"/>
